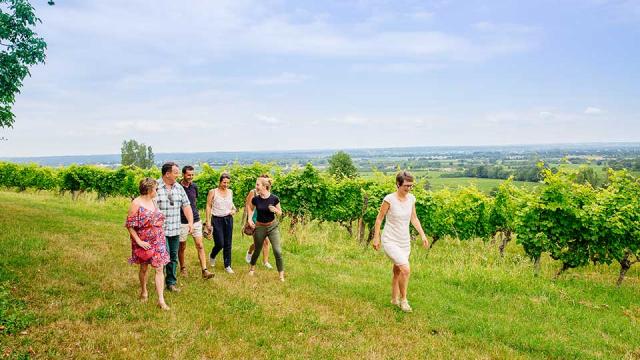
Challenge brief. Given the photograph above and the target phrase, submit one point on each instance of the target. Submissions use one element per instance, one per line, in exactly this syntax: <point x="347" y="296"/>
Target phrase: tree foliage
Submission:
<point x="341" y="166"/>
<point x="137" y="154"/>
<point x="20" y="48"/>
<point x="566" y="218"/>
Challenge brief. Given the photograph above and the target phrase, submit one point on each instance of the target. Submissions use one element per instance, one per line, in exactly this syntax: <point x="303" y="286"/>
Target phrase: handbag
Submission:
<point x="143" y="254"/>
<point x="140" y="252"/>
<point x="248" y="230"/>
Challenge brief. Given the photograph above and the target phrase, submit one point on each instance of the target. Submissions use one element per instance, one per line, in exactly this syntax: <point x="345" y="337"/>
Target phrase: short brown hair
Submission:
<point x="187" y="168"/>
<point x="403" y="176"/>
<point x="168" y="167"/>
<point x="146" y="185"/>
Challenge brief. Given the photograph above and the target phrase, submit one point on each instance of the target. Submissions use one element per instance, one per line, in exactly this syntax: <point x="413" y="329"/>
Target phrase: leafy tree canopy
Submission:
<point x="136" y="154"/>
<point x="341" y="166"/>
<point x="20" y="48"/>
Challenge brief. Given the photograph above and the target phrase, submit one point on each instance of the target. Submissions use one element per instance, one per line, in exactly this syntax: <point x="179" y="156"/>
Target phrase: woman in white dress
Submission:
<point x="399" y="209"/>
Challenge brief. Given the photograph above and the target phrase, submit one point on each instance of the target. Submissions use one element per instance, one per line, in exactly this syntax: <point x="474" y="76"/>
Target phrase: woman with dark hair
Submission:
<point x="148" y="243"/>
<point x="399" y="209"/>
<point x="220" y="211"/>
<point x="266" y="225"/>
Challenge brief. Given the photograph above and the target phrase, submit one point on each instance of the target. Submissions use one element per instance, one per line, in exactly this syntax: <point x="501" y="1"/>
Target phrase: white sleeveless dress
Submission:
<point x="396" y="241"/>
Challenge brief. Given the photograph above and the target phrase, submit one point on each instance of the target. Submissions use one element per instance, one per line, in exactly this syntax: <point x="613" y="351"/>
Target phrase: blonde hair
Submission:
<point x="146" y="185"/>
<point x="266" y="181"/>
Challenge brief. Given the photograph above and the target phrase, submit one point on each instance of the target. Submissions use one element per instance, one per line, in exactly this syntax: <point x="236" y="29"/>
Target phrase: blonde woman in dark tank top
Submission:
<point x="265" y="247"/>
<point x="268" y="206"/>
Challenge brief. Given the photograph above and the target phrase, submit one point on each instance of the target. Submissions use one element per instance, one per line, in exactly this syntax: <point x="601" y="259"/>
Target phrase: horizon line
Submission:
<point x="603" y="143"/>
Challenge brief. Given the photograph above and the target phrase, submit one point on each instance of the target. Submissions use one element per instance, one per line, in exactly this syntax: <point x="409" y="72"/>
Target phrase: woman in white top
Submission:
<point x="220" y="211"/>
<point x="399" y="209"/>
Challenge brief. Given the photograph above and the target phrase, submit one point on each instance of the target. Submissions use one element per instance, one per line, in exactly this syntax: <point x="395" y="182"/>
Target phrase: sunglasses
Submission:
<point x="169" y="195"/>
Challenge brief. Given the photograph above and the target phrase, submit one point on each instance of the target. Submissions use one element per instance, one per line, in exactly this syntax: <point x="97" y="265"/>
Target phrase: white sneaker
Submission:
<point x="404" y="306"/>
<point x="212" y="261"/>
<point x="247" y="257"/>
<point x="229" y="270"/>
<point x="395" y="302"/>
<point x="268" y="266"/>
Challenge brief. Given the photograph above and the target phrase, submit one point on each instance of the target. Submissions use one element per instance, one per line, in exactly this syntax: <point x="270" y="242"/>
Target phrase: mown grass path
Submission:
<point x="67" y="261"/>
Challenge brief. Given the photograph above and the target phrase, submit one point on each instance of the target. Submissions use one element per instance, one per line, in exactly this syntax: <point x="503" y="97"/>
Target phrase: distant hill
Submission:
<point x="320" y="156"/>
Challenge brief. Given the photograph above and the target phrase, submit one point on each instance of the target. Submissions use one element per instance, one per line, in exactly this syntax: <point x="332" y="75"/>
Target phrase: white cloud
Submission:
<point x="271" y="120"/>
<point x="593" y="111"/>
<point x="397" y="68"/>
<point x="546" y="115"/>
<point x="350" y="120"/>
<point x="488" y="26"/>
<point x="533" y="117"/>
<point x="281" y="79"/>
<point x="227" y="28"/>
<point x="422" y="15"/>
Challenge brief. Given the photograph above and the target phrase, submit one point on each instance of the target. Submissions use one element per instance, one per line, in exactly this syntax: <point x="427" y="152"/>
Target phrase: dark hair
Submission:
<point x="187" y="168"/>
<point x="225" y="175"/>
<point x="168" y="167"/>
<point x="146" y="185"/>
<point x="402" y="177"/>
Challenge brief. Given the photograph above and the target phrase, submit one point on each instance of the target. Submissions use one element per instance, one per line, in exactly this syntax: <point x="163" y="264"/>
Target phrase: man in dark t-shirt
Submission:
<point x="192" y="193"/>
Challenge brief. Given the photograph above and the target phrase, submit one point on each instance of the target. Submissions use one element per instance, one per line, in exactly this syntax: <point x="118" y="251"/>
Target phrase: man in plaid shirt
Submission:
<point x="171" y="198"/>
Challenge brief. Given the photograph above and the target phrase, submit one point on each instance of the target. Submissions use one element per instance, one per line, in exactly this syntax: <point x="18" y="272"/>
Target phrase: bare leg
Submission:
<point x="201" y="255"/>
<point x="160" y="288"/>
<point x="183" y="266"/>
<point x="395" y="286"/>
<point x="142" y="276"/>
<point x="403" y="280"/>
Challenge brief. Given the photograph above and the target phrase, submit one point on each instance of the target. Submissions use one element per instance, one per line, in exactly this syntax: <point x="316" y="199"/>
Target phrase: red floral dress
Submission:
<point x="148" y="225"/>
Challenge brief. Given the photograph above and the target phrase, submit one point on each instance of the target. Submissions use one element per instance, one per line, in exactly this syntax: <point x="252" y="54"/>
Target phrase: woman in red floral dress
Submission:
<point x="148" y="244"/>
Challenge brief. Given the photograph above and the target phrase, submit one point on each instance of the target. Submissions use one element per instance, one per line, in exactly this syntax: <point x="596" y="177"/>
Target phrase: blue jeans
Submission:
<point x="173" y="243"/>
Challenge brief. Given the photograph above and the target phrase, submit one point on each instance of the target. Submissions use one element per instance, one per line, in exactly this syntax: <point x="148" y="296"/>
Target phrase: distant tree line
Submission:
<point x="520" y="173"/>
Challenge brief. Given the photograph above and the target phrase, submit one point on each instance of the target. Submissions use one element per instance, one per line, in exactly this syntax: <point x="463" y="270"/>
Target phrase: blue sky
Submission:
<point x="275" y="75"/>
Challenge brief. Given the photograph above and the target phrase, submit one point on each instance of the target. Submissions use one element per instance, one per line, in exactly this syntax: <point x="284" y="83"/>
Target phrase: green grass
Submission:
<point x="484" y="185"/>
<point x="65" y="262"/>
<point x="438" y="183"/>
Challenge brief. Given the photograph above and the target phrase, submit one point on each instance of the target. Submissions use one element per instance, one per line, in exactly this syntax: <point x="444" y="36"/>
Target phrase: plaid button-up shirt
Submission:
<point x="170" y="202"/>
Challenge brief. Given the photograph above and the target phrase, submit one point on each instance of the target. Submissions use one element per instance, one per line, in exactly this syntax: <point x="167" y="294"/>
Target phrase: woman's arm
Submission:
<point x="416" y="224"/>
<point x="249" y="208"/>
<point x="134" y="235"/>
<point x="376" y="232"/>
<point x="233" y="206"/>
<point x="133" y="210"/>
<point x="276" y="209"/>
<point x="210" y="196"/>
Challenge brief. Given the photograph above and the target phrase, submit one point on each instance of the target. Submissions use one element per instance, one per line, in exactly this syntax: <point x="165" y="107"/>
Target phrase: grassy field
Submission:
<point x="67" y="292"/>
<point x="484" y="185"/>
<point x="437" y="182"/>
